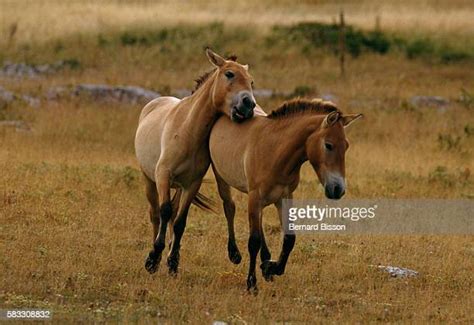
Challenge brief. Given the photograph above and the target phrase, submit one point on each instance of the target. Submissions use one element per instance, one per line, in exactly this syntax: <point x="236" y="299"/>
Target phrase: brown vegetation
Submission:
<point x="74" y="228"/>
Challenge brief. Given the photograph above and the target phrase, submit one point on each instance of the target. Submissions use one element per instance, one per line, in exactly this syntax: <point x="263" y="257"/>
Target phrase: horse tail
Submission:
<point x="205" y="203"/>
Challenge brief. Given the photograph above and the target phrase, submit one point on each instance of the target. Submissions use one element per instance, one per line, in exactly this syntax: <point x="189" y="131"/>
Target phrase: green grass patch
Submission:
<point x="356" y="42"/>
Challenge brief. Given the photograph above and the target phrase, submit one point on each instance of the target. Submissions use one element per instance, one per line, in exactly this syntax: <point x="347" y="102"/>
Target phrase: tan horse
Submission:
<point x="263" y="157"/>
<point x="171" y="145"/>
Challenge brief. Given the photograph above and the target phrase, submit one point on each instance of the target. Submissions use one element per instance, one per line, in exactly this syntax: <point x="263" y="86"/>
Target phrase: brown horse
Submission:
<point x="263" y="157"/>
<point x="171" y="145"/>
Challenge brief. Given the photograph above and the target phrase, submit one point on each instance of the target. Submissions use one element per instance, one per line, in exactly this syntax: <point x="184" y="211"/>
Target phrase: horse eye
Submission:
<point x="328" y="146"/>
<point x="229" y="74"/>
<point x="252" y="84"/>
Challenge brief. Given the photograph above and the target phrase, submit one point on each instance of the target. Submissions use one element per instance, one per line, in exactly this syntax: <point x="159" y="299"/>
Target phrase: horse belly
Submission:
<point x="149" y="134"/>
<point x="234" y="178"/>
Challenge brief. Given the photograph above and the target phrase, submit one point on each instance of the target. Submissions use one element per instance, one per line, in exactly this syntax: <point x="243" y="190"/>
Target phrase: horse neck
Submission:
<point x="290" y="148"/>
<point x="202" y="112"/>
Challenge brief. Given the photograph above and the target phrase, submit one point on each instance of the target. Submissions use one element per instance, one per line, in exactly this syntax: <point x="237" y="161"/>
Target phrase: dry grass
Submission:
<point x="40" y="20"/>
<point x="74" y="230"/>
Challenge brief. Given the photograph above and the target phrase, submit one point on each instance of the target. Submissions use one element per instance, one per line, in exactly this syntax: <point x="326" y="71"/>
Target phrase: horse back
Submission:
<point x="156" y="104"/>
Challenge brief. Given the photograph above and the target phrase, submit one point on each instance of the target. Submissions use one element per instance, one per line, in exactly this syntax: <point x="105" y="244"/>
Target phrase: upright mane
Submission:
<point x="302" y="105"/>
<point x="202" y="79"/>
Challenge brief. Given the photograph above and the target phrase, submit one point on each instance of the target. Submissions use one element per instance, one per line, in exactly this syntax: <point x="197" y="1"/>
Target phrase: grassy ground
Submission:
<point x="74" y="229"/>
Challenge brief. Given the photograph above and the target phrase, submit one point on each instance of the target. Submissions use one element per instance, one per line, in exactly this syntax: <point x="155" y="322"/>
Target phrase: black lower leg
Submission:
<point x="253" y="247"/>
<point x="265" y="254"/>
<point x="165" y="215"/>
<point x="178" y="229"/>
<point x="270" y="268"/>
<point x="154" y="256"/>
<point x="233" y="251"/>
<point x="288" y="244"/>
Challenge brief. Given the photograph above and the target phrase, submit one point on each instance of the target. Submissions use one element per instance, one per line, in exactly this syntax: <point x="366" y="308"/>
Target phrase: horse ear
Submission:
<point x="330" y="119"/>
<point x="215" y="58"/>
<point x="348" y="119"/>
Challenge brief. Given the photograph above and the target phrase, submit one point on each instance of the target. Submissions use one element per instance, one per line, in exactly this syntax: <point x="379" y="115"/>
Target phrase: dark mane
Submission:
<point x="301" y="105"/>
<point x="202" y="79"/>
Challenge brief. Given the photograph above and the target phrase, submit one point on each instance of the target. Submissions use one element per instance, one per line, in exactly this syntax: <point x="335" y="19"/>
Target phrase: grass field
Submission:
<point x="74" y="228"/>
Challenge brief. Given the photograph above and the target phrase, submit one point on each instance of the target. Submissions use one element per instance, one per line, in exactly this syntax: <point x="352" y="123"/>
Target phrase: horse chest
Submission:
<point x="188" y="170"/>
<point x="276" y="193"/>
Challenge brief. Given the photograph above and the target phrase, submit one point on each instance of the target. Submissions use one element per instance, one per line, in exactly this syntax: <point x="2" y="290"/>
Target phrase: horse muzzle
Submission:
<point x="335" y="189"/>
<point x="242" y="107"/>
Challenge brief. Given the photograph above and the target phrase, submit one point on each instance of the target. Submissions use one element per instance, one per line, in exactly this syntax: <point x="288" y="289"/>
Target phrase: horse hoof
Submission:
<point x="173" y="263"/>
<point x="151" y="263"/>
<point x="269" y="268"/>
<point x="253" y="291"/>
<point x="252" y="283"/>
<point x="235" y="257"/>
<point x="234" y="254"/>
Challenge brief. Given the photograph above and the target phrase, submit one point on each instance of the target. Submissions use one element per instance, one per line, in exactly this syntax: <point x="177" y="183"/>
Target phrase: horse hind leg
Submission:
<point x="229" y="211"/>
<point x="165" y="210"/>
<point x="179" y="225"/>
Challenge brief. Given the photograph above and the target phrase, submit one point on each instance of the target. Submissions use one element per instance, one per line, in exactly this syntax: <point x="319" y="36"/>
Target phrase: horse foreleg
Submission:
<point x="175" y="205"/>
<point x="152" y="196"/>
<point x="255" y="225"/>
<point x="229" y="211"/>
<point x="270" y="268"/>
<point x="163" y="186"/>
<point x="179" y="225"/>
<point x="265" y="254"/>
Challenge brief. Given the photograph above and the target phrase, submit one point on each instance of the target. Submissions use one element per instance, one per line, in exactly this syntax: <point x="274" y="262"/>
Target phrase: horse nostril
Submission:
<point x="248" y="102"/>
<point x="252" y="104"/>
<point x="338" y="191"/>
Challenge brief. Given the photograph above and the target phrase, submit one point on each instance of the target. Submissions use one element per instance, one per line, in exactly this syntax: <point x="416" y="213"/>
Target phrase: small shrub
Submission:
<point x="354" y="42"/>
<point x="302" y="91"/>
<point x="130" y="176"/>
<point x="72" y="63"/>
<point x="469" y="130"/>
<point x="441" y="175"/>
<point x="449" y="142"/>
<point x="320" y="35"/>
<point x="419" y="48"/>
<point x="129" y="39"/>
<point x="377" y="42"/>
<point x="448" y="55"/>
<point x="102" y="41"/>
<point x="466" y="99"/>
<point x="58" y="47"/>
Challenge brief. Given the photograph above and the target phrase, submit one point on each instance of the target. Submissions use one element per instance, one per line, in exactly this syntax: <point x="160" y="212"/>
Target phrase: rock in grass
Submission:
<point x="123" y="94"/>
<point x="30" y="100"/>
<point x="329" y="97"/>
<point x="181" y="93"/>
<point x="429" y="101"/>
<point x="263" y="93"/>
<point x="24" y="70"/>
<point x="7" y="97"/>
<point x="397" y="272"/>
<point x="258" y="93"/>
<point x="17" y="124"/>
